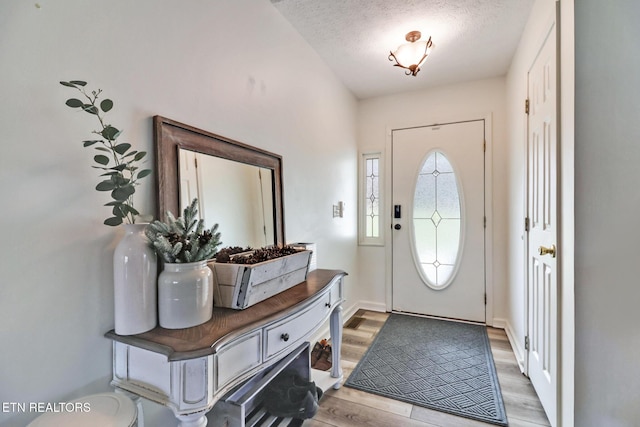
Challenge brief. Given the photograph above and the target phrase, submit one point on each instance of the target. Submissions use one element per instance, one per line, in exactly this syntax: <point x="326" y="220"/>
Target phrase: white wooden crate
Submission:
<point x="314" y="253"/>
<point x="239" y="286"/>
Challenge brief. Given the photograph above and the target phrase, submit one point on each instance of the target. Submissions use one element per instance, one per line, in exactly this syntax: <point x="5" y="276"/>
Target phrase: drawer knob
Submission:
<point x="327" y="304"/>
<point x="284" y="337"/>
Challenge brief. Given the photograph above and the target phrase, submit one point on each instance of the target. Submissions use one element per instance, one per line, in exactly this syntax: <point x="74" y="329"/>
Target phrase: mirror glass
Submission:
<point x="236" y="196"/>
<point x="238" y="186"/>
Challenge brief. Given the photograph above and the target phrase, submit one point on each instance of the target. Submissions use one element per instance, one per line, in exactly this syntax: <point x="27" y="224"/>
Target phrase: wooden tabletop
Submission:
<point x="226" y="323"/>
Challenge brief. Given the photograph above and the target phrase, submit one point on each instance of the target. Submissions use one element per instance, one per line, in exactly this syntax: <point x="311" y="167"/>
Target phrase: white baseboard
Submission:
<point x="498" y="323"/>
<point x="518" y="350"/>
<point x="347" y="314"/>
<point x="370" y="305"/>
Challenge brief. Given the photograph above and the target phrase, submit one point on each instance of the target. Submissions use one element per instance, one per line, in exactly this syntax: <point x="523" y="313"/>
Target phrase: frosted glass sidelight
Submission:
<point x="372" y="197"/>
<point x="437" y="221"/>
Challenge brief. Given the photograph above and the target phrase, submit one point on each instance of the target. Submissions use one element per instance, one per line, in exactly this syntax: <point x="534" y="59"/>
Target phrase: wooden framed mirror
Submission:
<point x="238" y="186"/>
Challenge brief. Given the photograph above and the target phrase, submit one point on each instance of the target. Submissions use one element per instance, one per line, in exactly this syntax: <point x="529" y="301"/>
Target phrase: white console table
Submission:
<point x="189" y="370"/>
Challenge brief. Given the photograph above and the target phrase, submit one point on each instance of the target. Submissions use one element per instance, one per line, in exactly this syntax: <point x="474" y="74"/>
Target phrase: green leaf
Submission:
<point x="127" y="209"/>
<point x="129" y="154"/>
<point x="107" y="185"/>
<point x="119" y="168"/>
<point x="143" y="173"/>
<point x="92" y="109"/>
<point x="140" y="155"/>
<point x="110" y="133"/>
<point x="114" y="203"/>
<point x="110" y="173"/>
<point x="106" y="105"/>
<point x="74" y="103"/>
<point x="105" y="149"/>
<point x="123" y="193"/>
<point x="120" y="180"/>
<point x="78" y="83"/>
<point x="90" y="143"/>
<point x="119" y="210"/>
<point x="67" y="84"/>
<point x="113" y="221"/>
<point x="103" y="160"/>
<point x="121" y="148"/>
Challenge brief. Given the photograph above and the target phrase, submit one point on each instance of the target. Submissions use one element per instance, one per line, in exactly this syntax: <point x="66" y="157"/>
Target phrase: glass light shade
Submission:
<point x="412" y="54"/>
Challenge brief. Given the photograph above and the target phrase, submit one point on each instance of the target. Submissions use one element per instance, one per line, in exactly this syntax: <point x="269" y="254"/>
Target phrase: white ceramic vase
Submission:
<point x="185" y="295"/>
<point x="135" y="270"/>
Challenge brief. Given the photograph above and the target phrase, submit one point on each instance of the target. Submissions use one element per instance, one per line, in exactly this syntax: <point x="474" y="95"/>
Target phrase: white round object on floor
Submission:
<point x="96" y="410"/>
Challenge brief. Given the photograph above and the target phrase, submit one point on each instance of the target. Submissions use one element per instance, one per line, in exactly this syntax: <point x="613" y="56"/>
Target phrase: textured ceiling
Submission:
<point x="473" y="39"/>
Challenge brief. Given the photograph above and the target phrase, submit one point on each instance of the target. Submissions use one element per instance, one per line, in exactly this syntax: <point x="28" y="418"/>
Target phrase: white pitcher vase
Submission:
<point x="134" y="282"/>
<point x="185" y="295"/>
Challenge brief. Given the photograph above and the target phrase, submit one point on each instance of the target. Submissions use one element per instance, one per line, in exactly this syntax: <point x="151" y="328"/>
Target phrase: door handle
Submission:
<point x="397" y="226"/>
<point x="542" y="250"/>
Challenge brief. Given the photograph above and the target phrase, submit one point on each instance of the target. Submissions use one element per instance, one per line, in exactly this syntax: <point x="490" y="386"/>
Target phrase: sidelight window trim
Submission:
<point x="366" y="235"/>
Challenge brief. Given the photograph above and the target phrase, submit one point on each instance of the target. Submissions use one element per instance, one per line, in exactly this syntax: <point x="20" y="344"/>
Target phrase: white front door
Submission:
<point x="543" y="227"/>
<point x="438" y="219"/>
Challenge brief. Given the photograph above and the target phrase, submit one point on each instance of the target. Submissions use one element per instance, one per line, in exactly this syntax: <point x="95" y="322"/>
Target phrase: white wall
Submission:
<point x="461" y="101"/>
<point x="232" y="67"/>
<point x="607" y="202"/>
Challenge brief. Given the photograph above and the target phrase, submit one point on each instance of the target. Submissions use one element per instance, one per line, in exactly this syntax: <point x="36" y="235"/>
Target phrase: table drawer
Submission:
<point x="237" y="358"/>
<point x="336" y="292"/>
<point x="282" y="335"/>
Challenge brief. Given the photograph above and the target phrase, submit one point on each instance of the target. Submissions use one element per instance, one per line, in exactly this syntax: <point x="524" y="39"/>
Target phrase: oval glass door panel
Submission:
<point x="437" y="221"/>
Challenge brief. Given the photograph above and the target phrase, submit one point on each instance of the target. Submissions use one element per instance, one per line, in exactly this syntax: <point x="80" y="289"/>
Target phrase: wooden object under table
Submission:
<point x="189" y="370"/>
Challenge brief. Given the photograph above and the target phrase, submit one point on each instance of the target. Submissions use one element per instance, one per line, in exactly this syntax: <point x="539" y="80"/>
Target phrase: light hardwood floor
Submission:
<point x="348" y="407"/>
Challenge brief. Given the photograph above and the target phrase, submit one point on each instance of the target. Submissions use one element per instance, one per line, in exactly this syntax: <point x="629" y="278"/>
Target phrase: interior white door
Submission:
<point x="439" y="220"/>
<point x="189" y="181"/>
<point x="542" y="218"/>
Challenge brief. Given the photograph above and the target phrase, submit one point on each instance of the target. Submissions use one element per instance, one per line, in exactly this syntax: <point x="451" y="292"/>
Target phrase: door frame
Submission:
<point x="488" y="203"/>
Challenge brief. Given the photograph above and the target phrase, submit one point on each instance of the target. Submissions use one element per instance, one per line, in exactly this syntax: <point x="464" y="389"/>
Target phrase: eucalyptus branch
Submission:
<point x="120" y="170"/>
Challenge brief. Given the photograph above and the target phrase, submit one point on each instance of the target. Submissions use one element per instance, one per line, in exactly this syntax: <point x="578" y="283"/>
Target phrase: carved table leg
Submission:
<point x="335" y="327"/>
<point x="192" y="420"/>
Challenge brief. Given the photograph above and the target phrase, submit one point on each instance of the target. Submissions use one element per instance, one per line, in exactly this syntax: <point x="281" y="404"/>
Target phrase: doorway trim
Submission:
<point x="566" y="178"/>
<point x="488" y="204"/>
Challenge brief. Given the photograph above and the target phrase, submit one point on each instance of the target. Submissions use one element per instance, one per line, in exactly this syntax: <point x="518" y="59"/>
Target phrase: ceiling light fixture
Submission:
<point x="412" y="55"/>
